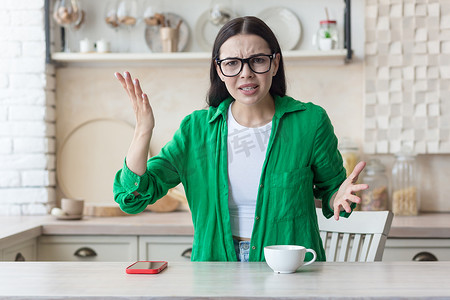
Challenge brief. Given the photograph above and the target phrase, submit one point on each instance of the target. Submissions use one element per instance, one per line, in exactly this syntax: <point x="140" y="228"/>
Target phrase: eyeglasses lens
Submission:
<point x="258" y="64"/>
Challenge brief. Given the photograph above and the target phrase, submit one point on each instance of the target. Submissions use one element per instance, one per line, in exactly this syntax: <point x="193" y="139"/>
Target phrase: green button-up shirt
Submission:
<point x="302" y="163"/>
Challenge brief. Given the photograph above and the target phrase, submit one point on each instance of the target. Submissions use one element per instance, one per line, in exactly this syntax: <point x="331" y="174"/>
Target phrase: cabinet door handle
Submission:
<point x="19" y="257"/>
<point x="85" y="252"/>
<point x="187" y="253"/>
<point x="424" y="256"/>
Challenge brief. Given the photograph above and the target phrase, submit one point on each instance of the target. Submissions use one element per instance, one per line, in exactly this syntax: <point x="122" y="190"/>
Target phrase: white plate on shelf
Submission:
<point x="206" y="31"/>
<point x="284" y="24"/>
<point x="89" y="158"/>
<point x="152" y="37"/>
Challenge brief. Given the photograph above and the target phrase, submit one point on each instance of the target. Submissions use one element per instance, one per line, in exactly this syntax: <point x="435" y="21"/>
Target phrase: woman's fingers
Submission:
<point x="359" y="187"/>
<point x="146" y="102"/>
<point x="122" y="81"/>
<point x="357" y="170"/>
<point x="130" y="85"/>
<point x="137" y="90"/>
<point x="120" y="78"/>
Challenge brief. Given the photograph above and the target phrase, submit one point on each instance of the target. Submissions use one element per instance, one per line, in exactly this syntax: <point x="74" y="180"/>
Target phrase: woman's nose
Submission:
<point x="246" y="71"/>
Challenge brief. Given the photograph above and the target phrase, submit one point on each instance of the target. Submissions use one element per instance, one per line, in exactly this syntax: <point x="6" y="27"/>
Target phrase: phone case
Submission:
<point x="146" y="271"/>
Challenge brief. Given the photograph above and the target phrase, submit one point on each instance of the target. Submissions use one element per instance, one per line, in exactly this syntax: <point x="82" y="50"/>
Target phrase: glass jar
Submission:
<point x="376" y="196"/>
<point x="327" y="36"/>
<point x="405" y="193"/>
<point x="350" y="154"/>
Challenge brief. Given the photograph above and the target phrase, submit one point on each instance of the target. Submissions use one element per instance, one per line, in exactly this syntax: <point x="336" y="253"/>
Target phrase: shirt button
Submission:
<point x="257" y="218"/>
<point x="253" y="247"/>
<point x="261" y="185"/>
<point x="136" y="184"/>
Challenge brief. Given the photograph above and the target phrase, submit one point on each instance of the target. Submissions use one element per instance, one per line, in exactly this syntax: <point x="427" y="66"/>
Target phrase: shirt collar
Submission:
<point x="222" y="109"/>
<point x="283" y="105"/>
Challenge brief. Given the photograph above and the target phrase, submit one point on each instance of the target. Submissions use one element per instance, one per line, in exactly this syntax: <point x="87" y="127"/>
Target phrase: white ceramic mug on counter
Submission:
<point x="287" y="258"/>
<point x="72" y="207"/>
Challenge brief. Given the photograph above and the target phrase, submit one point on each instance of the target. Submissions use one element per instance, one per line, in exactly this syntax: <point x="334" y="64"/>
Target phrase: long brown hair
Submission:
<point x="243" y="25"/>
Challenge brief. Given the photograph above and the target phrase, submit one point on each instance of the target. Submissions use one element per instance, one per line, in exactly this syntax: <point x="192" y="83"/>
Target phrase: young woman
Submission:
<point x="251" y="164"/>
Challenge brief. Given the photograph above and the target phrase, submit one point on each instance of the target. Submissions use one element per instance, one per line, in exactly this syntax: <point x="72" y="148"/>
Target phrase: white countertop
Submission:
<point x="146" y="223"/>
<point x="430" y="225"/>
<point x="189" y="280"/>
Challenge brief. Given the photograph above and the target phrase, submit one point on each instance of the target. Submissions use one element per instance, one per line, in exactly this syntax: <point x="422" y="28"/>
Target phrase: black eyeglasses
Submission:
<point x="258" y="63"/>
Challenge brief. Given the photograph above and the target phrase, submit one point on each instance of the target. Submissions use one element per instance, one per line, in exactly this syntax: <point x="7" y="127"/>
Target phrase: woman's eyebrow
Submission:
<point x="256" y="54"/>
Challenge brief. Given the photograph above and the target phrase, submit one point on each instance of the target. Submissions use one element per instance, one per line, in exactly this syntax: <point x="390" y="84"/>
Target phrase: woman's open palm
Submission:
<point x="145" y="122"/>
<point x="346" y="193"/>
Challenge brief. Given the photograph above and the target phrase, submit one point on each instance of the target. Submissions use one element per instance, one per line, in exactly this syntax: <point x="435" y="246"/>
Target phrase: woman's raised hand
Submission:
<point x="145" y="122"/>
<point x="346" y="193"/>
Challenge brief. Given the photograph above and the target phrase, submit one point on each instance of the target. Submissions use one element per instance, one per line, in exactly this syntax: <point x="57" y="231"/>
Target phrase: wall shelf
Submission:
<point x="338" y="56"/>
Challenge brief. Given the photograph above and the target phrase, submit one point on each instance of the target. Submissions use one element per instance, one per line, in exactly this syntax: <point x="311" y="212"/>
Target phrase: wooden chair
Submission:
<point x="360" y="237"/>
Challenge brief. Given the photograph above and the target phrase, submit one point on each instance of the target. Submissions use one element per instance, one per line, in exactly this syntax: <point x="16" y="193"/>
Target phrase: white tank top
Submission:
<point x="246" y="153"/>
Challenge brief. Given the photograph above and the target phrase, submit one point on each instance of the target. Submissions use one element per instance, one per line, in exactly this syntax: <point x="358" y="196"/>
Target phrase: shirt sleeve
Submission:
<point x="163" y="173"/>
<point x="328" y="167"/>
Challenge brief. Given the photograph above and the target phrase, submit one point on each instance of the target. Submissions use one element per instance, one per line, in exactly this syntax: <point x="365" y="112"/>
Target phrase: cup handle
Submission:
<point x="313" y="259"/>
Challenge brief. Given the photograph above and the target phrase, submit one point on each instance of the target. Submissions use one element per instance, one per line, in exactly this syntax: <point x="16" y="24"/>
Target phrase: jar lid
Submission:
<point x="374" y="165"/>
<point x="405" y="153"/>
<point x="347" y="143"/>
<point x="328" y="22"/>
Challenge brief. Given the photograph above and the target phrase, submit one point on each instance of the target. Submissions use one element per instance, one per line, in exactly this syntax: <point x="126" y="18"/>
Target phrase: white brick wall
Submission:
<point x="27" y="111"/>
<point x="407" y="74"/>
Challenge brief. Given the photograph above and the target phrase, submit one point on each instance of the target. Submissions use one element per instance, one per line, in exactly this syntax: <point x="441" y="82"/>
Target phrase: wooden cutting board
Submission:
<point x="169" y="202"/>
<point x="103" y="210"/>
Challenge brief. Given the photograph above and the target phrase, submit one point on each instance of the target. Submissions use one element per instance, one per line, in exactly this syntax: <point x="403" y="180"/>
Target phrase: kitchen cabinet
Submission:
<point x="398" y="249"/>
<point x="169" y="248"/>
<point x="113" y="248"/>
<point x="87" y="248"/>
<point x="21" y="251"/>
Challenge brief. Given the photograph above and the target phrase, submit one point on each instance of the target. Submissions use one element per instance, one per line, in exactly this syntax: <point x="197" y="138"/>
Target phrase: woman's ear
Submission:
<point x="276" y="64"/>
<point x="219" y="73"/>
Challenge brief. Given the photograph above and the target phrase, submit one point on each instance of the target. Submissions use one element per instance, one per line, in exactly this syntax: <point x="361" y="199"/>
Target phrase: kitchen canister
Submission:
<point x="405" y="191"/>
<point x="376" y="196"/>
<point x="350" y="154"/>
<point x="327" y="37"/>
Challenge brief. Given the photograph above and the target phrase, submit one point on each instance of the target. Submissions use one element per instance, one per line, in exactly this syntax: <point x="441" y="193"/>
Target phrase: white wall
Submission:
<point x="27" y="111"/>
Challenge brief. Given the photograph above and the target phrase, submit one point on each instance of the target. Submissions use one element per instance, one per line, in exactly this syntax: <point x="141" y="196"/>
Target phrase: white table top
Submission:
<point x="187" y="280"/>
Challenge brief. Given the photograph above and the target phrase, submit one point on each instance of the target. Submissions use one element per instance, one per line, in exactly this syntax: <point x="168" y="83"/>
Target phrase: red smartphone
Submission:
<point x="146" y="267"/>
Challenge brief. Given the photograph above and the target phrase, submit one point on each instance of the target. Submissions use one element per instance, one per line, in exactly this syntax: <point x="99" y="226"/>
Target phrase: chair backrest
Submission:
<point x="359" y="238"/>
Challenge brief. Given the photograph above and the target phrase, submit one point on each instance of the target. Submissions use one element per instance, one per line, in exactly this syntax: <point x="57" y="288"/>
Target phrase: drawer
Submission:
<point x="168" y="248"/>
<point x="87" y="248"/>
<point x="406" y="249"/>
<point x="23" y="251"/>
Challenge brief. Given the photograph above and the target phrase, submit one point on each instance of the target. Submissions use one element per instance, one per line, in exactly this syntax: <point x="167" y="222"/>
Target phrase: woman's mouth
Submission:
<point x="248" y="89"/>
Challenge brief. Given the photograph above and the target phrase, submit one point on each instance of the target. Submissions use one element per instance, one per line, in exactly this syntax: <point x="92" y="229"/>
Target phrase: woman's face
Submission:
<point x="248" y="87"/>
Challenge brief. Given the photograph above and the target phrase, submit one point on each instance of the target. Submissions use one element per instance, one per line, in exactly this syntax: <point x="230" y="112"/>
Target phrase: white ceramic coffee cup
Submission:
<point x="102" y="46"/>
<point x="72" y="207"/>
<point x="85" y="46"/>
<point x="287" y="258"/>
